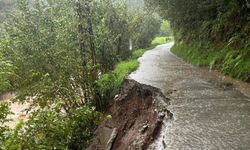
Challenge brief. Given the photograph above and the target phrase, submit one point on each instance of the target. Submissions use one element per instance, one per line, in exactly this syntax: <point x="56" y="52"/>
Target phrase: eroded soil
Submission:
<point x="136" y="115"/>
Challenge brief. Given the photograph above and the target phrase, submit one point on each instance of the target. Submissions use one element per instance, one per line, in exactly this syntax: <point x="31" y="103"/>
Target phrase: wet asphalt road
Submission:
<point x="205" y="116"/>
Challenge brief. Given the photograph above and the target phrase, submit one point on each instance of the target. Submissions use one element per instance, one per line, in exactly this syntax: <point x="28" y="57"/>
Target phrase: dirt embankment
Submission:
<point x="136" y="119"/>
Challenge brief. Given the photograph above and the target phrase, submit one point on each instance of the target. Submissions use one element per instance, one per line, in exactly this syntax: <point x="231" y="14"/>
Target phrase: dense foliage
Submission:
<point x="58" y="55"/>
<point x="161" y="40"/>
<point x="109" y="83"/>
<point x="49" y="129"/>
<point x="58" y="48"/>
<point x="210" y="28"/>
<point x="4" y="112"/>
<point x="150" y="26"/>
<point x="165" y="29"/>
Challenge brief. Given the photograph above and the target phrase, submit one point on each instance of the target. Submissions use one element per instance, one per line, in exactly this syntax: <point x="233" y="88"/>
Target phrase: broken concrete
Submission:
<point x="211" y="111"/>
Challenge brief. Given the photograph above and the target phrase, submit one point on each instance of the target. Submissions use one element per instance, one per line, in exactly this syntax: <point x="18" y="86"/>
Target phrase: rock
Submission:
<point x="107" y="137"/>
<point x="116" y="96"/>
<point x="248" y="78"/>
<point x="144" y="128"/>
<point x="170" y="115"/>
<point x="164" y="144"/>
<point x="161" y="115"/>
<point x="226" y="85"/>
<point x="112" y="139"/>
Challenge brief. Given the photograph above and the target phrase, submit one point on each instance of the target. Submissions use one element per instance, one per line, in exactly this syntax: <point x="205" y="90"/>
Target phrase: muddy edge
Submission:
<point x="137" y="116"/>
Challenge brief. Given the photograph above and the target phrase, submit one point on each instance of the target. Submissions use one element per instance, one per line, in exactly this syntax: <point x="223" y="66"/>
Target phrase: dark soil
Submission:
<point x="136" y="117"/>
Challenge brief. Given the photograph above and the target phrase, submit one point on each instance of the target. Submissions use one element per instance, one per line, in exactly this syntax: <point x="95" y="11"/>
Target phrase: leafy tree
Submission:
<point x="150" y="27"/>
<point x="204" y="20"/>
<point x="6" y="71"/>
<point x="50" y="129"/>
<point x="4" y="112"/>
<point x="165" y="29"/>
<point x="212" y="26"/>
<point x="54" y="52"/>
<point x="57" y="47"/>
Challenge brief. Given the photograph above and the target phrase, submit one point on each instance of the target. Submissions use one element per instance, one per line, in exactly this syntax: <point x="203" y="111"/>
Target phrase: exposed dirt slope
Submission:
<point x="136" y="119"/>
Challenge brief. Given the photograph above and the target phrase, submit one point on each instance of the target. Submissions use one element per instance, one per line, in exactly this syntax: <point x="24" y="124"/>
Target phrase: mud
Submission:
<point x="18" y="110"/>
<point x="137" y="116"/>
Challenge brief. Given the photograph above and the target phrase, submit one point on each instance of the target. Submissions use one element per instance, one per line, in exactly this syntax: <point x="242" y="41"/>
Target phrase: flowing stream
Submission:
<point x="208" y="113"/>
<point x="17" y="109"/>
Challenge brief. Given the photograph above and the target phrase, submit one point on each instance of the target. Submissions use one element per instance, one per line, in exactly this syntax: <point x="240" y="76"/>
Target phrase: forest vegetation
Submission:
<point x="67" y="59"/>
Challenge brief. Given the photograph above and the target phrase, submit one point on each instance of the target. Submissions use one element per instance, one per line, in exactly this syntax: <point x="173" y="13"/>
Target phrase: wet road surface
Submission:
<point x="205" y="115"/>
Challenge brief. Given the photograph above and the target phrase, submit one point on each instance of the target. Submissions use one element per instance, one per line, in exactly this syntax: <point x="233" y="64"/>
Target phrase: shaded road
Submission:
<point x="207" y="114"/>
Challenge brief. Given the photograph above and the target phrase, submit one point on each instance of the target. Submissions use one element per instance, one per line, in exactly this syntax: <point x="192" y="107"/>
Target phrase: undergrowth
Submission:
<point x="231" y="62"/>
<point x="161" y="40"/>
<point x="110" y="83"/>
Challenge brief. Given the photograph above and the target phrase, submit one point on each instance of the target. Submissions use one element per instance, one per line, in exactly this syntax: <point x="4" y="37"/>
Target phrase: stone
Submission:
<point x="112" y="139"/>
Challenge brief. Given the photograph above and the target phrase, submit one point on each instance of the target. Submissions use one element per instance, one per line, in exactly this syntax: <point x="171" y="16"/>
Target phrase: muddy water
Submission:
<point x="207" y="112"/>
<point x="18" y="110"/>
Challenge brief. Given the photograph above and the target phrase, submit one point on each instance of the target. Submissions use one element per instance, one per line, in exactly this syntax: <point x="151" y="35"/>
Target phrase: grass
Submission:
<point x="193" y="54"/>
<point x="161" y="40"/>
<point x="138" y="53"/>
<point x="110" y="83"/>
<point x="124" y="68"/>
<point x="231" y="62"/>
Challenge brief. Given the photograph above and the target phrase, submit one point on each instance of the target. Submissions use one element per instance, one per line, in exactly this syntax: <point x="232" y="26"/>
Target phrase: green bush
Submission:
<point x="216" y="33"/>
<point x="110" y="83"/>
<point x="138" y="53"/>
<point x="161" y="40"/>
<point x="150" y="28"/>
<point x="4" y="112"/>
<point x="228" y="60"/>
<point x="124" y="68"/>
<point x="165" y="29"/>
<point x="50" y="129"/>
